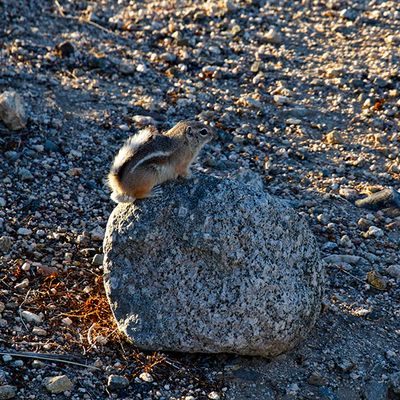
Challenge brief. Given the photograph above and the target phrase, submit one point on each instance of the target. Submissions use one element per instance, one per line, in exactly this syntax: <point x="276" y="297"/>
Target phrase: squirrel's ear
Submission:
<point x="189" y="131"/>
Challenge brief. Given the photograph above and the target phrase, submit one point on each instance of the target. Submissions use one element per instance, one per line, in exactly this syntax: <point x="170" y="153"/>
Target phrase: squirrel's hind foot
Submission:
<point x="156" y="192"/>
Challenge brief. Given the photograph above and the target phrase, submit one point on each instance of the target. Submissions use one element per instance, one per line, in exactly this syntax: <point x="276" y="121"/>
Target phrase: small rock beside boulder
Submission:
<point x="5" y="244"/>
<point x="12" y="110"/>
<point x="57" y="384"/>
<point x="213" y="266"/>
<point x="117" y="382"/>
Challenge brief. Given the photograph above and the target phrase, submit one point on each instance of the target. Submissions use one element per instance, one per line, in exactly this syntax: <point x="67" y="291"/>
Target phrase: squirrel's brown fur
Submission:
<point x="150" y="158"/>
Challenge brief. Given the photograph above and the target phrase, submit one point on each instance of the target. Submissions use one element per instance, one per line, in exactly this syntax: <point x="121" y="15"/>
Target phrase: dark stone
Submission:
<point x="247" y="374"/>
<point x="327" y="394"/>
<point x="347" y="393"/>
<point x="376" y="391"/>
<point x="117" y="382"/>
<point x="357" y="83"/>
<point x="51" y="146"/>
<point x="12" y="155"/>
<point x="65" y="49"/>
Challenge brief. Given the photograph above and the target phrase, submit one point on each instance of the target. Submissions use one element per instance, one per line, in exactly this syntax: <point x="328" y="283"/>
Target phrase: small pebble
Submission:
<point x="374" y="232"/>
<point x="273" y="36"/>
<point x="334" y="137"/>
<point x="98" y="259"/>
<point x="348" y="193"/>
<point x="97" y="234"/>
<point x="57" y="384"/>
<point x="143" y="120"/>
<point x="146" y="377"/>
<point x="281" y="100"/>
<point x="5" y="244"/>
<point x="26" y="267"/>
<point x="24" y="231"/>
<point x="65" y="49"/>
<point x="117" y="382"/>
<point x="394" y="271"/>
<point x="39" y="331"/>
<point x="51" y="146"/>
<point x="316" y="379"/>
<point x="25" y="174"/>
<point x="31" y="317"/>
<point x="38" y="364"/>
<point x="67" y="321"/>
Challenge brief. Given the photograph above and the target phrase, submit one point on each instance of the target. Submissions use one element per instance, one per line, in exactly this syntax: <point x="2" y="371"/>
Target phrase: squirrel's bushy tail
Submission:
<point x="121" y="198"/>
<point x="126" y="152"/>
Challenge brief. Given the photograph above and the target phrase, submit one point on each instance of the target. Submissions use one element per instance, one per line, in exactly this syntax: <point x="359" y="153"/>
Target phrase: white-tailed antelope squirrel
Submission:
<point x="149" y="158"/>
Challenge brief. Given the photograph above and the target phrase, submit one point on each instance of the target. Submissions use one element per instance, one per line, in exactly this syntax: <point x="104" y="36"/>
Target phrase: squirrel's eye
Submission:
<point x="204" y="132"/>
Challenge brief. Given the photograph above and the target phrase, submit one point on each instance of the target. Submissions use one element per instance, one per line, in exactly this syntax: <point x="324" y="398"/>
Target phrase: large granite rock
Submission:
<point x="212" y="266"/>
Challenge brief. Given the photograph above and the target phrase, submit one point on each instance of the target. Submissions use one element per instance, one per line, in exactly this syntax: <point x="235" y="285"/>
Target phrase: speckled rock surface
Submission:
<point x="212" y="266"/>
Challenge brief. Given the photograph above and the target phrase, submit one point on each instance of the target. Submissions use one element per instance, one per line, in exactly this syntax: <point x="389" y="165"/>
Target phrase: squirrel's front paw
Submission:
<point x="186" y="175"/>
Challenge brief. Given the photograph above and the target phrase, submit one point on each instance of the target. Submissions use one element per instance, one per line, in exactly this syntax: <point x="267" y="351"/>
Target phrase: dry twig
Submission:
<point x="47" y="357"/>
<point x="83" y="19"/>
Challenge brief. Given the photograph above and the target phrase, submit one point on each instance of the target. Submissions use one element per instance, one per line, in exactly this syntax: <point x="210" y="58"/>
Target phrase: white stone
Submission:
<point x="273" y="36"/>
<point x="143" y="120"/>
<point x="293" y="121"/>
<point x="67" y="321"/>
<point x="31" y="317"/>
<point x="281" y="100"/>
<point x="146" y="377"/>
<point x="39" y="331"/>
<point x="375" y="232"/>
<point x="26" y="267"/>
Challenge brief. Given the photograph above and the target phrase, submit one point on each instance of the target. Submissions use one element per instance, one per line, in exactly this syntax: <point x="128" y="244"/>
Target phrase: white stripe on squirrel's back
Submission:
<point x="129" y="148"/>
<point x="149" y="157"/>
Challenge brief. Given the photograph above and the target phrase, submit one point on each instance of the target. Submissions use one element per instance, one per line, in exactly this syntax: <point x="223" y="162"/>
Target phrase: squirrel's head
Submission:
<point x="197" y="134"/>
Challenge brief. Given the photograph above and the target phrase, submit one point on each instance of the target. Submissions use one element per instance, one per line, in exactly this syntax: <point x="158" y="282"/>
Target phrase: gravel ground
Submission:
<point x="303" y="93"/>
